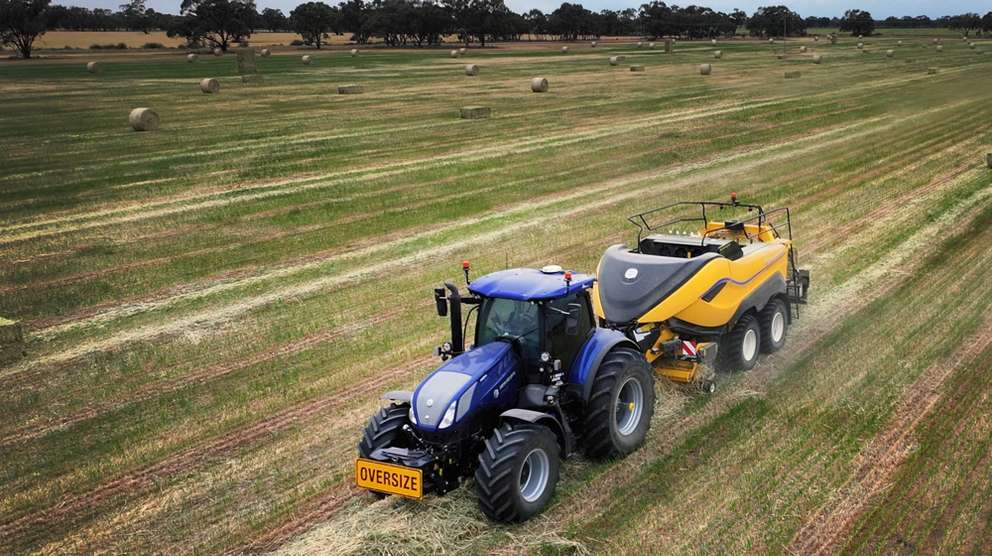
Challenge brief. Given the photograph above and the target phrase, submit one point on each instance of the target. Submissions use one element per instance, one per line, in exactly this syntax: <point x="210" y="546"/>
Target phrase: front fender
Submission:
<point x="541" y="418"/>
<point x="602" y="340"/>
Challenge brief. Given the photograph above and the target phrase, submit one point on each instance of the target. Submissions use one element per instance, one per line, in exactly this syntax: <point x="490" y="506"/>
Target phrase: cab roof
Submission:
<point x="528" y="284"/>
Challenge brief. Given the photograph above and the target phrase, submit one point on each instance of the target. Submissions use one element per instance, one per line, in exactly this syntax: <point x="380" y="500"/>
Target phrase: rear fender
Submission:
<point x="756" y="300"/>
<point x="529" y="416"/>
<point x="586" y="365"/>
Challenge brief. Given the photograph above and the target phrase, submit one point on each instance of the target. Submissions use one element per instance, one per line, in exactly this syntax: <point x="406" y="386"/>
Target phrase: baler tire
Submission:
<point x="602" y="438"/>
<point x="730" y="353"/>
<point x="502" y="496"/>
<point x="767" y="321"/>
<point x="384" y="429"/>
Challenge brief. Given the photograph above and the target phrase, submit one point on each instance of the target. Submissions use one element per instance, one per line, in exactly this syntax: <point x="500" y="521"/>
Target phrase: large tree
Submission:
<point x="314" y="21"/>
<point x="858" y="22"/>
<point x="274" y="20"/>
<point x="135" y="16"/>
<point x="220" y="22"/>
<point x="22" y="22"/>
<point x="776" y="21"/>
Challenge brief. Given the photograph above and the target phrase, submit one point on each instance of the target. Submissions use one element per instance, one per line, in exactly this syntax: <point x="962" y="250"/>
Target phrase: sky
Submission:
<point x="880" y="9"/>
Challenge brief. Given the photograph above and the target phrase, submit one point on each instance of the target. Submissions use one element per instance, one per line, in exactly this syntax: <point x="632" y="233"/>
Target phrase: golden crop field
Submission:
<point x="212" y="309"/>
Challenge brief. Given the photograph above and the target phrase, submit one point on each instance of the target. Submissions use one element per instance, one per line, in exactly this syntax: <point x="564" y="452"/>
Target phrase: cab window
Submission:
<point x="563" y="345"/>
<point x="511" y="319"/>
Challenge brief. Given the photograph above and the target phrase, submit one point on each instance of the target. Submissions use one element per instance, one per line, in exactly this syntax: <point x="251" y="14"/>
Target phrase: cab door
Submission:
<point x="565" y="346"/>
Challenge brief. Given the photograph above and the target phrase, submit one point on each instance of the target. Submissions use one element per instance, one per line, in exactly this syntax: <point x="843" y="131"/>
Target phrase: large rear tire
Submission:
<point x="738" y="349"/>
<point x="774" y="320"/>
<point x="620" y="406"/>
<point x="518" y="472"/>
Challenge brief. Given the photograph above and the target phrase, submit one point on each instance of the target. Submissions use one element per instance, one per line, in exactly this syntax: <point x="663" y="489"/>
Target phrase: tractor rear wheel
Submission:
<point x="774" y="320"/>
<point x="620" y="406"/>
<point x="518" y="472"/>
<point x="738" y="349"/>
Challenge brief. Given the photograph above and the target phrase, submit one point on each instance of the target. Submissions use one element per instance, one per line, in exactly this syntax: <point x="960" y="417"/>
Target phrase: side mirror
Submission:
<point x="572" y="320"/>
<point x="441" y="301"/>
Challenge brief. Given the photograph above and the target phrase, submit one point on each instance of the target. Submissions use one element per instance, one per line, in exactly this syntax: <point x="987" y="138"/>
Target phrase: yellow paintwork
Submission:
<point x="678" y="371"/>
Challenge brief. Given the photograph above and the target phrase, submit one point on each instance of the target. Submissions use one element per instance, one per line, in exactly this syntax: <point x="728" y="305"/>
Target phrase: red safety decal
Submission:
<point x="689" y="348"/>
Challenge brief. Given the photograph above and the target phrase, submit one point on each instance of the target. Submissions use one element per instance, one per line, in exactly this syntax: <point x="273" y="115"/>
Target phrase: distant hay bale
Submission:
<point x="640" y="44"/>
<point x="266" y="53"/>
<point x="593" y="44"/>
<point x="354" y="52"/>
<point x="816" y="38"/>
<point x="475" y="112"/>
<point x="351" y="89"/>
<point x="971" y="45"/>
<point x="650" y="45"/>
<point x="718" y="54"/>
<point x="218" y="52"/>
<point x="802" y="49"/>
<point x="793" y="75"/>
<point x="898" y="43"/>
<point x="453" y="53"/>
<point x="712" y="41"/>
<point x="614" y="60"/>
<point x="861" y="36"/>
<point x="833" y="39"/>
<point x="861" y="45"/>
<point x="931" y="71"/>
<point x="890" y="53"/>
<point x="817" y="58"/>
<point x="93" y="67"/>
<point x="143" y="119"/>
<point x="306" y="60"/>
<point x="209" y="85"/>
<point x="771" y="41"/>
<point x="191" y="57"/>
<point x="539" y="85"/>
<point x="705" y="69"/>
<point x="636" y="67"/>
<point x="462" y="51"/>
<point x="564" y="50"/>
<point x="11" y="341"/>
<point x="940" y="48"/>
<point x="471" y="69"/>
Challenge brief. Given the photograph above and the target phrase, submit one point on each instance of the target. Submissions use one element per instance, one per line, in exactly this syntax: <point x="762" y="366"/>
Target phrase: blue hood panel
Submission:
<point x="472" y="378"/>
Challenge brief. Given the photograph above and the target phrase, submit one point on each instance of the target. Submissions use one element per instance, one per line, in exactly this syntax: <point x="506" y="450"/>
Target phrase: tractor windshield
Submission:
<point x="511" y="319"/>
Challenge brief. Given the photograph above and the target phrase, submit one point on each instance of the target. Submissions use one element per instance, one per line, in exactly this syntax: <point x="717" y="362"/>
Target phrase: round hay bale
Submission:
<point x="209" y="85"/>
<point x="940" y="48"/>
<point x="92" y="67"/>
<point x="861" y="45"/>
<point x="936" y="41"/>
<point x="143" y="119"/>
<point x="564" y="50"/>
<point x="771" y="41"/>
<point x="712" y="41"/>
<point x="718" y="54"/>
<point x="705" y="69"/>
<point x="614" y="60"/>
<point x="354" y="52"/>
<point x="890" y="53"/>
<point x="971" y="45"/>
<point x="816" y="38"/>
<point x="218" y="52"/>
<point x="475" y="112"/>
<point x="453" y="53"/>
<point x="802" y="49"/>
<point x="351" y="89"/>
<point x="650" y="45"/>
<point x="191" y="57"/>
<point x="817" y="58"/>
<point x="539" y="85"/>
<point x="462" y="51"/>
<point x="265" y="53"/>
<point x="640" y="44"/>
<point x="636" y="67"/>
<point x="898" y="43"/>
<point x="471" y="69"/>
<point x="306" y="59"/>
<point x="593" y="44"/>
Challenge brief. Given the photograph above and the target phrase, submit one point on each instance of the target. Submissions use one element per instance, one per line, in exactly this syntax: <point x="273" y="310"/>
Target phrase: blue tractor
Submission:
<point x="540" y="382"/>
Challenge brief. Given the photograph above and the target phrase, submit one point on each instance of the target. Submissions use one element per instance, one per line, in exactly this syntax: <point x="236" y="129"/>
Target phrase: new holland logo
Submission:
<point x="630" y="274"/>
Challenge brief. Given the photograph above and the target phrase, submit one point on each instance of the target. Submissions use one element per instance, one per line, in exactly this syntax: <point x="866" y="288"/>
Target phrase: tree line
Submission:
<point x="221" y="23"/>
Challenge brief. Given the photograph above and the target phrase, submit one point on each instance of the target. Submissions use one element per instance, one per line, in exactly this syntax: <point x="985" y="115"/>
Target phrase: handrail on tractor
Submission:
<point x="641" y="221"/>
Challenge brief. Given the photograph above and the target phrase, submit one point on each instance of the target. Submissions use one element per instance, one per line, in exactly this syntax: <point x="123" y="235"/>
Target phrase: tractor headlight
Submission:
<point x="545" y="357"/>
<point x="413" y="418"/>
<point x="449" y="416"/>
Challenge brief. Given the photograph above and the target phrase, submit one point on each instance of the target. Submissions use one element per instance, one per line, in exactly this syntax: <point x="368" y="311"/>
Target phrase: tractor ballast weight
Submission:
<point x="729" y="286"/>
<point x="540" y="381"/>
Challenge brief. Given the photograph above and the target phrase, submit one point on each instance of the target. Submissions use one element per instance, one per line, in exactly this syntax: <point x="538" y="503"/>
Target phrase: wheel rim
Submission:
<point x="534" y="474"/>
<point x="750" y="344"/>
<point x="778" y="326"/>
<point x="630" y="405"/>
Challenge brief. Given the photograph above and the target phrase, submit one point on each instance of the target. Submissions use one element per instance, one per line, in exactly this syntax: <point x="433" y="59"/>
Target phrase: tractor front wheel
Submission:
<point x="738" y="349"/>
<point x="518" y="472"/>
<point x="385" y="428"/>
<point x="620" y="406"/>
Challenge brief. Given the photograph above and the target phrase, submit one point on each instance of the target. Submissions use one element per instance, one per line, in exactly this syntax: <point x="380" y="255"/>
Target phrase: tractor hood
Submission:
<point x="477" y="378"/>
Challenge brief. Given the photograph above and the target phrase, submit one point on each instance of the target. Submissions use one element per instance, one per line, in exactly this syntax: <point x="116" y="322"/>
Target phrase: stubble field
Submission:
<point x="213" y="308"/>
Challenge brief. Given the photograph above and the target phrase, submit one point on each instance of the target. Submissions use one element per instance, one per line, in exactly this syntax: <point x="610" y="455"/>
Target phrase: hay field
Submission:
<point x="213" y="308"/>
<point x="135" y="39"/>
